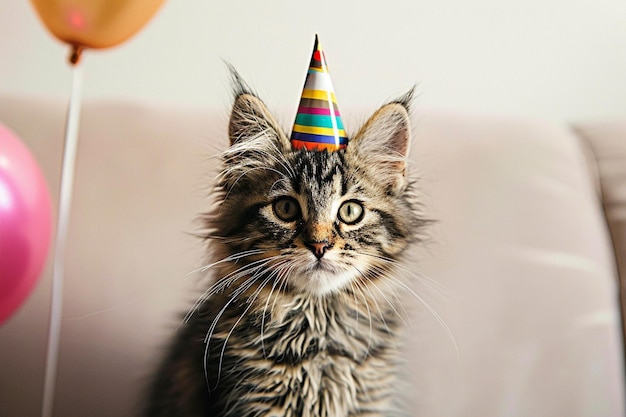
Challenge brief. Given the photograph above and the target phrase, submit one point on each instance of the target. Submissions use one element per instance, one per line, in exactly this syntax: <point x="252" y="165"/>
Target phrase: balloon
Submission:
<point x="25" y="222"/>
<point x="95" y="23"/>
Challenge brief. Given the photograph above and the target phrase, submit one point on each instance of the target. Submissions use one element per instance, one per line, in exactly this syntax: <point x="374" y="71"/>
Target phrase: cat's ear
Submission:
<point x="383" y="143"/>
<point x="256" y="139"/>
<point x="250" y="119"/>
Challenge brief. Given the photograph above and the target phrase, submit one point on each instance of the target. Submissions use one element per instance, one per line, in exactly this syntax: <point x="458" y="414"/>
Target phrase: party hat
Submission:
<point x="318" y="124"/>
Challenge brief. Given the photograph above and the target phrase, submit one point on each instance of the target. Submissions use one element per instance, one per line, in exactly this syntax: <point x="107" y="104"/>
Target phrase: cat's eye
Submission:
<point x="351" y="212"/>
<point x="286" y="208"/>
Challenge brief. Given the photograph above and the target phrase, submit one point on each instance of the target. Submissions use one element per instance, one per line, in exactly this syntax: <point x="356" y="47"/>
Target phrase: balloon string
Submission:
<point x="65" y="201"/>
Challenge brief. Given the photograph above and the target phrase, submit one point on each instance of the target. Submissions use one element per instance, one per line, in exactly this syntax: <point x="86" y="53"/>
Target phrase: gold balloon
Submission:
<point x="94" y="23"/>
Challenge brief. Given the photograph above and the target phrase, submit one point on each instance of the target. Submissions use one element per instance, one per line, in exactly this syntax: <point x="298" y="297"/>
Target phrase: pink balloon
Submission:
<point x="25" y="222"/>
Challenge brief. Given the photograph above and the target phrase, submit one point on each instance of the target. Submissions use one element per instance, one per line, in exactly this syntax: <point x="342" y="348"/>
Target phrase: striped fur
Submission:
<point x="303" y="311"/>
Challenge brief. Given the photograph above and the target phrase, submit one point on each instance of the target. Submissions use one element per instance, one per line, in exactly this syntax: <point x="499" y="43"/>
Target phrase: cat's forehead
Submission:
<point x="319" y="172"/>
<point x="319" y="163"/>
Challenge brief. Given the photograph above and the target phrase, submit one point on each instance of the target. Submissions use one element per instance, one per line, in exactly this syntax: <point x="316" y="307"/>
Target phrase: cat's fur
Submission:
<point x="302" y="314"/>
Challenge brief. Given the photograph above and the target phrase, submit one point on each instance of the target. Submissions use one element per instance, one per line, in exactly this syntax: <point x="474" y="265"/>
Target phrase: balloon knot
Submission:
<point x="76" y="53"/>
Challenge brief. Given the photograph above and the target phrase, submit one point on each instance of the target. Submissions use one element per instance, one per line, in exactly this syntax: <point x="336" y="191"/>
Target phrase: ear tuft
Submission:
<point x="238" y="84"/>
<point x="250" y="118"/>
<point x="406" y="100"/>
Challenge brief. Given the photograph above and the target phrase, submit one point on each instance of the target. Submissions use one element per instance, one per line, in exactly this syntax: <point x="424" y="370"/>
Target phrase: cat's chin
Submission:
<point x="322" y="278"/>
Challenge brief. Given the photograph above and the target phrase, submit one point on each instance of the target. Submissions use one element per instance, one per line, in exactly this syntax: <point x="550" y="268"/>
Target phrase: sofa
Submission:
<point x="520" y="282"/>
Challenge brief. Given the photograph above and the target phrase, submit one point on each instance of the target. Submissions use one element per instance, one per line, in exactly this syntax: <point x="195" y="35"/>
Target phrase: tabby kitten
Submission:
<point x="303" y="312"/>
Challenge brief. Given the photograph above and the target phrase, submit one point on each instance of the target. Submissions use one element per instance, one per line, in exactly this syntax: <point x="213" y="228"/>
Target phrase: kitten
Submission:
<point x="302" y="316"/>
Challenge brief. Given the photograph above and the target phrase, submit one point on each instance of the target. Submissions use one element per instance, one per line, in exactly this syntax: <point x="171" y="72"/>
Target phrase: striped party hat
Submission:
<point x="318" y="124"/>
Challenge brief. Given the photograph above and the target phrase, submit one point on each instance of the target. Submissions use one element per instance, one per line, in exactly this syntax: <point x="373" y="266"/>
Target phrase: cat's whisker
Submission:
<point x="233" y="297"/>
<point x="241" y="316"/>
<point x="224" y="283"/>
<point x="417" y="297"/>
<point x="391" y="304"/>
<point x="281" y="276"/>
<point x="381" y="314"/>
<point x="278" y="181"/>
<point x="419" y="276"/>
<point x="232" y="277"/>
<point x="242" y="272"/>
<point x="381" y="275"/>
<point x="230" y="258"/>
<point x="236" y="275"/>
<point x="244" y="287"/>
<point x="231" y="240"/>
<point x="434" y="313"/>
<point x="357" y="312"/>
<point x="358" y="285"/>
<point x="245" y="269"/>
<point x="273" y="273"/>
<point x="264" y="314"/>
<point x="356" y="303"/>
<point x="287" y="272"/>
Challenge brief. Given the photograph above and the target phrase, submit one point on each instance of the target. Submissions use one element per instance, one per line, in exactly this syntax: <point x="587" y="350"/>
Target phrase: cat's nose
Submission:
<point x="318" y="248"/>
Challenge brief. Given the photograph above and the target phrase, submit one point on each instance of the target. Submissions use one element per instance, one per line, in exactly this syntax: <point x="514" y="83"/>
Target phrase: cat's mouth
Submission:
<point x="321" y="276"/>
<point x="324" y="264"/>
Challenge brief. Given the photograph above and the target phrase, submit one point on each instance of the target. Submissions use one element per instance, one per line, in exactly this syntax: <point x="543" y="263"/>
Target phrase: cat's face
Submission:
<point x="314" y="221"/>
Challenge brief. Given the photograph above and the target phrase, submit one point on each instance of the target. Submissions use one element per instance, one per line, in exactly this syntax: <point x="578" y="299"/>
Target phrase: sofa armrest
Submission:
<point x="607" y="142"/>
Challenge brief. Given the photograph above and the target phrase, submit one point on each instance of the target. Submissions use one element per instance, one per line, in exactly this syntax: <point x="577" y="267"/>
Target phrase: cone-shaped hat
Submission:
<point x="318" y="124"/>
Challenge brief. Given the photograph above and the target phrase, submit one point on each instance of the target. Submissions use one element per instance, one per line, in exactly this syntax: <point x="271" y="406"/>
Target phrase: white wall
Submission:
<point x="554" y="59"/>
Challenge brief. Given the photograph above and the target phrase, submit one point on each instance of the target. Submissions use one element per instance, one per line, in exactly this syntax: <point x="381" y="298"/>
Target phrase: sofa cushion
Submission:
<point x="522" y="248"/>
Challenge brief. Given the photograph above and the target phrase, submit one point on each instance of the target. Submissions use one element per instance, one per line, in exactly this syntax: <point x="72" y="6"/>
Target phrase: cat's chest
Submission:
<point x="312" y="362"/>
<point x="298" y="374"/>
<point x="318" y="334"/>
<point x="321" y="385"/>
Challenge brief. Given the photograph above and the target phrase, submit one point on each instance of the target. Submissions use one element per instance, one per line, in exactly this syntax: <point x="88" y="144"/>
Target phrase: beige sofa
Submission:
<point x="521" y="265"/>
